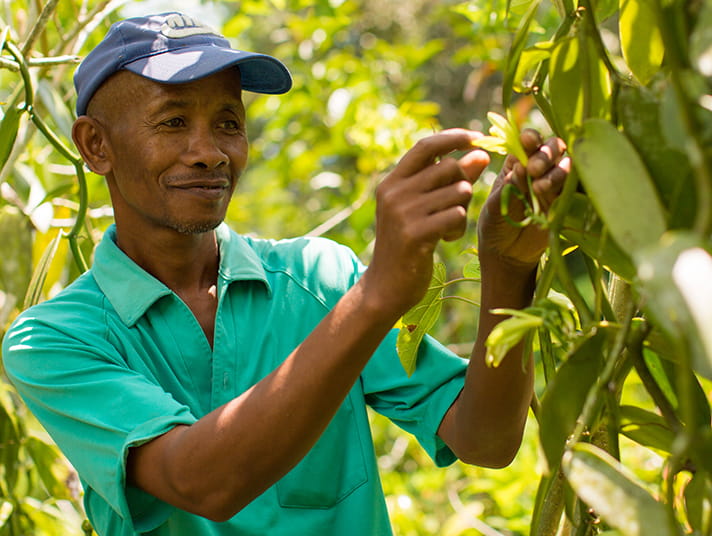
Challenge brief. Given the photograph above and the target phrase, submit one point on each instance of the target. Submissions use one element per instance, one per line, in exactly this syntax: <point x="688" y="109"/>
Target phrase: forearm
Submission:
<point x="485" y="425"/>
<point x="226" y="459"/>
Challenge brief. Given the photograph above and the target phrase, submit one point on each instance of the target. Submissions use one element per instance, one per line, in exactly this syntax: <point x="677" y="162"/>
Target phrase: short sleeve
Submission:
<point x="417" y="403"/>
<point x="94" y="407"/>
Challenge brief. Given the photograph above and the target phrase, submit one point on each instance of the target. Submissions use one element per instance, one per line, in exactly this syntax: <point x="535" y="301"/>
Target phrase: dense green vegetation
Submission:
<point x="619" y="440"/>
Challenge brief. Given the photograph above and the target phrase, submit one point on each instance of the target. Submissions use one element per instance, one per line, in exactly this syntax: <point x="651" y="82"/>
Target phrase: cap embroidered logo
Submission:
<point x="178" y="25"/>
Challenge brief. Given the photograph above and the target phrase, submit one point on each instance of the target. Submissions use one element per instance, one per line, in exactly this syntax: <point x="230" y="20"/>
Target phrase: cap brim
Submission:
<point x="259" y="73"/>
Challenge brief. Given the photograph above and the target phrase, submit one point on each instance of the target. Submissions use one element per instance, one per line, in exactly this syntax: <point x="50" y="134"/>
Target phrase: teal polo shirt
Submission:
<point x="117" y="359"/>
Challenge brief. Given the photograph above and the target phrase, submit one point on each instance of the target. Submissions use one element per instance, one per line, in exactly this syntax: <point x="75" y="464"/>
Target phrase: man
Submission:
<point x="207" y="383"/>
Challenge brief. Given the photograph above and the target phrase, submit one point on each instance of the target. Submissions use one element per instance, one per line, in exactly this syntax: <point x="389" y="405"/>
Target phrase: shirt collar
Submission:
<point x="131" y="290"/>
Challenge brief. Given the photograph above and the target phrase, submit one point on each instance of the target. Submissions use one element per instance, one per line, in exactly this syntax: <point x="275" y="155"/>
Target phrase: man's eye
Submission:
<point x="231" y="124"/>
<point x="174" y="122"/>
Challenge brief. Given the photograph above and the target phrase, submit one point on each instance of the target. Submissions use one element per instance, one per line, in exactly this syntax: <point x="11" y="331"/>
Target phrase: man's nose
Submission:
<point x="204" y="150"/>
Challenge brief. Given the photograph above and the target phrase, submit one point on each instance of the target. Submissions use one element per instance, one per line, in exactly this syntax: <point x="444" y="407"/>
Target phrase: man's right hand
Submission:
<point x="422" y="201"/>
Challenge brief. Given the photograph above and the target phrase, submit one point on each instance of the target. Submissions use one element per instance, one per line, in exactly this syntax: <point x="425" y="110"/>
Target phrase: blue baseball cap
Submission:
<point x="173" y="48"/>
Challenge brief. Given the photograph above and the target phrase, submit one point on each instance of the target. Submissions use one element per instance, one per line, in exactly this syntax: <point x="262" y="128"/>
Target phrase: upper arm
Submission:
<point x="94" y="407"/>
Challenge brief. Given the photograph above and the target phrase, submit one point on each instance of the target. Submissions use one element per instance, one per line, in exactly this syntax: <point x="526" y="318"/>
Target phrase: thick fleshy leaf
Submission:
<point x="579" y="83"/>
<point x="618" y="185"/>
<point x="698" y="495"/>
<point x="641" y="42"/>
<point x="50" y="467"/>
<point x="515" y="51"/>
<point x="565" y="395"/>
<point x="614" y="493"/>
<point x="16" y="255"/>
<point x="418" y="321"/>
<point x="640" y="114"/>
<point x="34" y="290"/>
<point x="676" y="284"/>
<point x="9" y="126"/>
<point x="583" y="227"/>
<point x="508" y="333"/>
<point x="549" y="504"/>
<point x="701" y="40"/>
<point x="667" y="374"/>
<point x="646" y="428"/>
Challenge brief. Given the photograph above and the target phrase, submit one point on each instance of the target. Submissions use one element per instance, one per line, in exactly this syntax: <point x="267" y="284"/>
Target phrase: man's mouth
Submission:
<point x="208" y="188"/>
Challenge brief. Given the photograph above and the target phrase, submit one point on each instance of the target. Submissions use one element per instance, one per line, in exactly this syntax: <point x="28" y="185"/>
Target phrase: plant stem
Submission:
<point x="39" y="26"/>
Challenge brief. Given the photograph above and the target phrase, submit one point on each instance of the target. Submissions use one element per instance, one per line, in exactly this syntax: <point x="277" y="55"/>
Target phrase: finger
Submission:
<point x="545" y="157"/>
<point x="474" y="163"/>
<point x="449" y="224"/>
<point x="530" y="139"/>
<point x="458" y="193"/>
<point x="444" y="173"/>
<point x="548" y="187"/>
<point x="518" y="177"/>
<point x="426" y="151"/>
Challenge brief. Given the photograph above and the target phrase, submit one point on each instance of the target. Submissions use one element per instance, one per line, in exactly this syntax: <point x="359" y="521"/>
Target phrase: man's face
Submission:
<point x="176" y="151"/>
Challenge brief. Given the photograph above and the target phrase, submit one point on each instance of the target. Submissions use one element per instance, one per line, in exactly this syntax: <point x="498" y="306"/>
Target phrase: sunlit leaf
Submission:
<point x="418" y="321"/>
<point x="34" y="291"/>
<point x="701" y="40"/>
<point x="646" y="428"/>
<point x="6" y="510"/>
<point x="530" y="59"/>
<point x="640" y="114"/>
<point x="676" y="282"/>
<point x="579" y="83"/>
<point x="698" y="500"/>
<point x="641" y="42"/>
<point x="618" y="185"/>
<point x="565" y="395"/>
<point x="515" y="51"/>
<point x="508" y="333"/>
<point x="583" y="227"/>
<point x="8" y="131"/>
<point x="614" y="493"/>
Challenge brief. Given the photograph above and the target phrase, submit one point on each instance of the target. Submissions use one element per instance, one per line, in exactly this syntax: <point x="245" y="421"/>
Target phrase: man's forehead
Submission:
<point x="125" y="87"/>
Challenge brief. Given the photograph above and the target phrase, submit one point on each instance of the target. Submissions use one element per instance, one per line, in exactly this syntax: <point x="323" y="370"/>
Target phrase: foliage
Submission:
<point x="637" y="118"/>
<point x="618" y="320"/>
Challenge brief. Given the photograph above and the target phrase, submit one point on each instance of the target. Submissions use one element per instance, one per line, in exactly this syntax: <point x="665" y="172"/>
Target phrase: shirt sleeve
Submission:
<point x="94" y="407"/>
<point x="417" y="403"/>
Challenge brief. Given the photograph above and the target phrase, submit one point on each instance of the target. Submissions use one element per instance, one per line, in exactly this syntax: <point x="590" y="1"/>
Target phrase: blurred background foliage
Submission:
<point x="371" y="77"/>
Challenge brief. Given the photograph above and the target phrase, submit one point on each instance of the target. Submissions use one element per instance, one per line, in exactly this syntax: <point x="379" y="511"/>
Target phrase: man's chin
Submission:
<point x="197" y="227"/>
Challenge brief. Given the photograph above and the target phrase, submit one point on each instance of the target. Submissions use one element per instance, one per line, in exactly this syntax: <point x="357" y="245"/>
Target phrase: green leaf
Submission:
<point x="579" y="83"/>
<point x="50" y="467"/>
<point x="34" y="291"/>
<point x="646" y="428"/>
<point x="701" y="41"/>
<point x="640" y="113"/>
<point x="508" y="333"/>
<point x="641" y="42"/>
<point x="6" y="509"/>
<point x="605" y="9"/>
<point x="529" y="61"/>
<point x="549" y="505"/>
<point x="9" y="126"/>
<point x="676" y="284"/>
<point x="563" y="401"/>
<point x="698" y="500"/>
<point x="515" y="52"/>
<point x="583" y="227"/>
<point x="618" y="185"/>
<point x="418" y="321"/>
<point x="667" y="375"/>
<point x="614" y="493"/>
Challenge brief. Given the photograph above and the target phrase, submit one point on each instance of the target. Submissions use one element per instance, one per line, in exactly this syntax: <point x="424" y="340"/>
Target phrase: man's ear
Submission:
<point x="91" y="140"/>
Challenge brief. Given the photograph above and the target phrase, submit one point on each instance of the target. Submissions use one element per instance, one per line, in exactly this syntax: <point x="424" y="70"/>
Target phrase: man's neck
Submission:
<point x="185" y="263"/>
